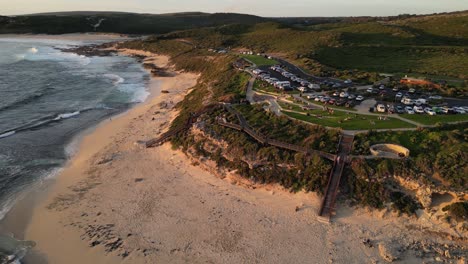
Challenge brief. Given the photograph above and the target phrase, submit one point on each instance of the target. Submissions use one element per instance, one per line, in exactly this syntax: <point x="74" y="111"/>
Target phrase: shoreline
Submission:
<point x="88" y="144"/>
<point x="117" y="202"/>
<point x="18" y="217"/>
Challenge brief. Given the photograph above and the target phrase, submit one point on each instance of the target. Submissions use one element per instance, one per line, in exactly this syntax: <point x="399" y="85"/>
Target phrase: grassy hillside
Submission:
<point x="356" y="48"/>
<point x="128" y="23"/>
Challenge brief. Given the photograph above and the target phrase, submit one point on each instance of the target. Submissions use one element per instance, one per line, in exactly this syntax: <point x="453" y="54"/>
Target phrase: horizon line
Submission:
<point x="200" y="12"/>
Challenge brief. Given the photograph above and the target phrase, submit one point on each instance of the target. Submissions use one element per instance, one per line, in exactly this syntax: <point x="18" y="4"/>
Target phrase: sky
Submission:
<point x="269" y="8"/>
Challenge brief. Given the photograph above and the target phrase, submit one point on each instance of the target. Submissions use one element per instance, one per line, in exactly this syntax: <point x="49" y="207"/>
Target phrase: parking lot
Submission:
<point x="391" y="100"/>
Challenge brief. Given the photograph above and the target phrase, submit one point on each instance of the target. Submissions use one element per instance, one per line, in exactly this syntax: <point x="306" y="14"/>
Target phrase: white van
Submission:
<point x="407" y="101"/>
<point x="381" y="108"/>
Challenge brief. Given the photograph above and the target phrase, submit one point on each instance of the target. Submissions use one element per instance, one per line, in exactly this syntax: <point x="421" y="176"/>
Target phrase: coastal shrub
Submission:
<point x="457" y="210"/>
<point x="403" y="203"/>
<point x="438" y="151"/>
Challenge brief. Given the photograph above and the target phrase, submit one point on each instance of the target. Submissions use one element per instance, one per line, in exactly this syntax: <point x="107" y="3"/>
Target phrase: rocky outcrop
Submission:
<point x="389" y="251"/>
<point x="424" y="196"/>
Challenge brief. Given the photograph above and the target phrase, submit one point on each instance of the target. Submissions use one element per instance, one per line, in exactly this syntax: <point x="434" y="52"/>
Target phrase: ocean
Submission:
<point x="47" y="97"/>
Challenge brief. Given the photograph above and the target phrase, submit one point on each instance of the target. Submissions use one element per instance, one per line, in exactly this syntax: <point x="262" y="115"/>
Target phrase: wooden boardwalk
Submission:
<point x="327" y="207"/>
<point x="244" y="126"/>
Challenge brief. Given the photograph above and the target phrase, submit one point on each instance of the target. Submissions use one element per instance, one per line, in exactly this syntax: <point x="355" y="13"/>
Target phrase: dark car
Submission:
<point x="350" y="104"/>
<point x="340" y="102"/>
<point x="399" y="109"/>
<point x="331" y="101"/>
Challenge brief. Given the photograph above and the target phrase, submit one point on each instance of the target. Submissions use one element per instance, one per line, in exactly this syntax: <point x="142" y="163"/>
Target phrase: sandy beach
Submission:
<point x="118" y="202"/>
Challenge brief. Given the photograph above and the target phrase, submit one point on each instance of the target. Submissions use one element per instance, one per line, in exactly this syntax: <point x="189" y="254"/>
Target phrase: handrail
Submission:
<point x="322" y="206"/>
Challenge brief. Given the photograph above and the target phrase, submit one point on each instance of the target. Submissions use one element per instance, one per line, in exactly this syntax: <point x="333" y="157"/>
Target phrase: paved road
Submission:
<point x="301" y="73"/>
<point x="250" y="92"/>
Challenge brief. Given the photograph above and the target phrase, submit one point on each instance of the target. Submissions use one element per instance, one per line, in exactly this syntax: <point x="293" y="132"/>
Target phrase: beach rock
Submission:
<point x="424" y="196"/>
<point x="447" y="254"/>
<point x="389" y="251"/>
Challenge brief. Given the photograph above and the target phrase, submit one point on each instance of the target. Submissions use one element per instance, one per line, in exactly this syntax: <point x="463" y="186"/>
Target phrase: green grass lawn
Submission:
<point x="348" y="121"/>
<point x="259" y="60"/>
<point x="293" y="107"/>
<point x="432" y="120"/>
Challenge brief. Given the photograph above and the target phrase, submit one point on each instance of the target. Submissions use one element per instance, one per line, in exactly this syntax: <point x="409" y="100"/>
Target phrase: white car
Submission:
<point x="409" y="110"/>
<point x="418" y="109"/>
<point x="344" y="94"/>
<point x="370" y="90"/>
<point x="399" y="95"/>
<point x="351" y="97"/>
<point x="429" y="111"/>
<point x="318" y="98"/>
<point x="435" y="97"/>
<point x="360" y="98"/>
<point x="311" y="96"/>
<point x="412" y="90"/>
<point x="459" y="110"/>
<point x="302" y="89"/>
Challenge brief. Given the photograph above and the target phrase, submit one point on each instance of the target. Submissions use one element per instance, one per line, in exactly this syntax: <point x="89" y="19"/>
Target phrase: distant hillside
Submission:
<point x="126" y="23"/>
<point x="357" y="48"/>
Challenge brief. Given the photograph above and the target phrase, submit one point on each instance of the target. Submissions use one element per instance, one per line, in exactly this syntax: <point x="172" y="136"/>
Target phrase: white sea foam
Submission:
<point x="116" y="79"/>
<point x="6" y="207"/>
<point x="138" y="92"/>
<point x="7" y="134"/>
<point x="33" y="50"/>
<point x="67" y="115"/>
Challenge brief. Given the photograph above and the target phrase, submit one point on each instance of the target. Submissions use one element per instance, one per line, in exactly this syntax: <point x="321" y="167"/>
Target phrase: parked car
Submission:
<point x="318" y="98"/>
<point x="435" y="97"/>
<point x="351" y="97"/>
<point x="409" y="110"/>
<point x="418" y="109"/>
<point x="325" y="99"/>
<point x="344" y="94"/>
<point x="407" y="101"/>
<point x="302" y="89"/>
<point x="429" y="111"/>
<point x="360" y="98"/>
<point x="446" y="110"/>
<point x="412" y="90"/>
<point x="381" y="108"/>
<point x="382" y="87"/>
<point x="336" y="93"/>
<point x="400" y="109"/>
<point x="420" y="101"/>
<point x="370" y="90"/>
<point x="311" y="96"/>
<point x="399" y="95"/>
<point x="349" y="104"/>
<point x="340" y="102"/>
<point x="395" y="89"/>
<point x="459" y="110"/>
